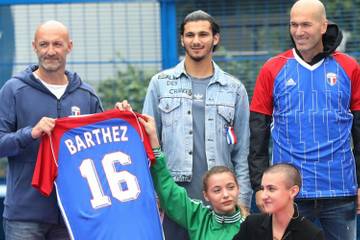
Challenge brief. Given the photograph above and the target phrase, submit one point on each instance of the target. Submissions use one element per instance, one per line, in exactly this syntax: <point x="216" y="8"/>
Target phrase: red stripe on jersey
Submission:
<point x="352" y="69"/>
<point x="262" y="100"/>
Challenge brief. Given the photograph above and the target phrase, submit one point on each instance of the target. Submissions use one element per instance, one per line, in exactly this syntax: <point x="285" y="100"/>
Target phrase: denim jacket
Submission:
<point x="169" y="101"/>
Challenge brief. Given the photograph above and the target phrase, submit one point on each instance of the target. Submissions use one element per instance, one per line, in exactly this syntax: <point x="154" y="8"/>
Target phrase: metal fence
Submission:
<point x="107" y="35"/>
<point x="253" y="31"/>
<point x="133" y="39"/>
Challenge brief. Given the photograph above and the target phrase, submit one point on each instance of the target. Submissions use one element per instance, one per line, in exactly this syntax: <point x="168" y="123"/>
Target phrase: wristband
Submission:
<point x="157" y="151"/>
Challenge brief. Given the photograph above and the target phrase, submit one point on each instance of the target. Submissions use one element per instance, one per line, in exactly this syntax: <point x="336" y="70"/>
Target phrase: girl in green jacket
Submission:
<point x="219" y="222"/>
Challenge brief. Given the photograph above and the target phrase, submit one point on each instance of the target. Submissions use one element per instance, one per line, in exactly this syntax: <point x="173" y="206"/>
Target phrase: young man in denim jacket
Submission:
<point x="201" y="114"/>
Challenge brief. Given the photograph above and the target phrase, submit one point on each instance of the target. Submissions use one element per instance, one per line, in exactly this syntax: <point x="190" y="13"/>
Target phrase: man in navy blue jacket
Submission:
<point x="30" y="102"/>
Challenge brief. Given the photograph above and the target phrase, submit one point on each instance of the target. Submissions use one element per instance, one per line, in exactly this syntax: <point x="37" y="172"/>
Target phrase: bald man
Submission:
<point x="30" y="102"/>
<point x="308" y="100"/>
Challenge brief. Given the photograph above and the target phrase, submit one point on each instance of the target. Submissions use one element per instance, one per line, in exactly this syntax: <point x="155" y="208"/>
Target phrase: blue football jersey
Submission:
<point x="311" y="108"/>
<point x="100" y="166"/>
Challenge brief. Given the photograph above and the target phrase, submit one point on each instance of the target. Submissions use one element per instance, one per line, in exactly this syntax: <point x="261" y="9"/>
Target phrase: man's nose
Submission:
<point x="196" y="39"/>
<point x="51" y="50"/>
<point x="299" y="30"/>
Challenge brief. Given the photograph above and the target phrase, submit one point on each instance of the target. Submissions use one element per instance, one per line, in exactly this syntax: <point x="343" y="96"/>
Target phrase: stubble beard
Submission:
<point x="53" y="66"/>
<point x="194" y="57"/>
<point x="199" y="58"/>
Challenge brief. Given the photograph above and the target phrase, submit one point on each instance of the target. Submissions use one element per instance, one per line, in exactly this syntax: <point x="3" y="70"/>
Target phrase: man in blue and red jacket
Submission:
<point x="308" y="98"/>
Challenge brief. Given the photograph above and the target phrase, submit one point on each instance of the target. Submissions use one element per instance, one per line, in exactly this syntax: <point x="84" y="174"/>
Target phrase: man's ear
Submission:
<point x="324" y="27"/>
<point x="33" y="46"/>
<point x="70" y="46"/>
<point x="216" y="39"/>
<point x="182" y="40"/>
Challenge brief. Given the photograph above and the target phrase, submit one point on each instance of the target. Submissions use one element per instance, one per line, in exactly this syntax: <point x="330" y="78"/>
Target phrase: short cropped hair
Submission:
<point x="292" y="173"/>
<point x="216" y="170"/>
<point x="200" y="15"/>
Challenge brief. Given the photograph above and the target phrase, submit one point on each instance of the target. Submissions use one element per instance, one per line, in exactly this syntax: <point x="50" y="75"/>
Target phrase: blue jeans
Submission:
<point x="358" y="227"/>
<point x="21" y="230"/>
<point x="337" y="217"/>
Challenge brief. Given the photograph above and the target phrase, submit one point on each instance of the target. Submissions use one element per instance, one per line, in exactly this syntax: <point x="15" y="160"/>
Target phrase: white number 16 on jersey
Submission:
<point x="115" y="180"/>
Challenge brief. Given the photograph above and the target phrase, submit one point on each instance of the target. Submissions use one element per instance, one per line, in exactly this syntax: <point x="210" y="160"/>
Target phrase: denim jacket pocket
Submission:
<point x="226" y="114"/>
<point x="169" y="110"/>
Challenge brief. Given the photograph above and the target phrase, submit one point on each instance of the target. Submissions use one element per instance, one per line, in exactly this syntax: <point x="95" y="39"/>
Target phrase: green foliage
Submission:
<point x="129" y="84"/>
<point x="346" y="14"/>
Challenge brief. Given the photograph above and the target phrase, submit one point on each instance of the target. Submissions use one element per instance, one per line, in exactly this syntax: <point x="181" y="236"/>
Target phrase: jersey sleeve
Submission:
<point x="146" y="142"/>
<point x="355" y="89"/>
<point x="262" y="100"/>
<point x="352" y="70"/>
<point x="45" y="169"/>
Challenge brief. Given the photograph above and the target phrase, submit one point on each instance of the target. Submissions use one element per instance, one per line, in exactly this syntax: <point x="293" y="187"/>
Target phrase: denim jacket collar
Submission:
<point x="218" y="73"/>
